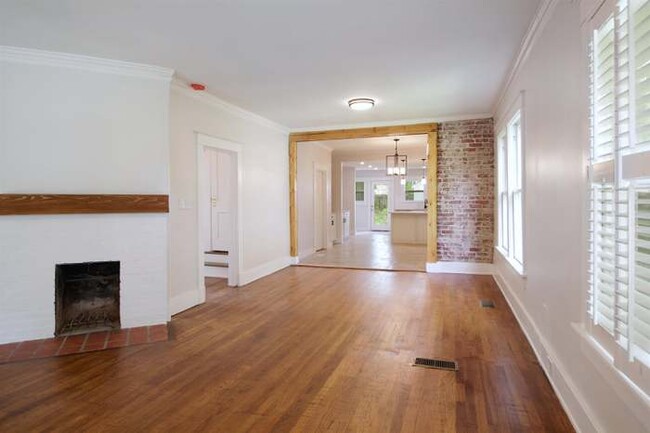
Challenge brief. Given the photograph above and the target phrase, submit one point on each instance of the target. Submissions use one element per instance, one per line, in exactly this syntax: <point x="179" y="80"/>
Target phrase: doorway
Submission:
<point x="344" y="198"/>
<point x="380" y="206"/>
<point x="219" y="237"/>
<point x="218" y="193"/>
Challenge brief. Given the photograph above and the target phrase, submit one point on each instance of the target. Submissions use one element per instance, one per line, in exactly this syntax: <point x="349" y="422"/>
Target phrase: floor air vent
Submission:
<point x="438" y="364"/>
<point x="487" y="303"/>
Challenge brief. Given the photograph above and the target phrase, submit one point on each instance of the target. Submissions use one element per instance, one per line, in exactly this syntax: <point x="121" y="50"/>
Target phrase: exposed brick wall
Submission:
<point x="466" y="191"/>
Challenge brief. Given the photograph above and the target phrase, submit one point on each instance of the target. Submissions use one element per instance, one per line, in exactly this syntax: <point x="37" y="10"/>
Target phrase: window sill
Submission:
<point x="633" y="396"/>
<point x="514" y="265"/>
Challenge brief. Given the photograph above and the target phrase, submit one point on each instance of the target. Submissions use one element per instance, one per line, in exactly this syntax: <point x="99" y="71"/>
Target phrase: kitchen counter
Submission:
<point x="409" y="227"/>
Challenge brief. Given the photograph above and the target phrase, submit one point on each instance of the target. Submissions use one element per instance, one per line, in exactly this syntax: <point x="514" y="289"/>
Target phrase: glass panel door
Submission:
<point x="380" y="206"/>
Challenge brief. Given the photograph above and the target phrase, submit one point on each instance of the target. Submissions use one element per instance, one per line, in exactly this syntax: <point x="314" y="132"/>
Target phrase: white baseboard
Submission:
<point x="572" y="400"/>
<point x="246" y="277"/>
<point x="183" y="301"/>
<point x="460" y="268"/>
<point x="294" y="260"/>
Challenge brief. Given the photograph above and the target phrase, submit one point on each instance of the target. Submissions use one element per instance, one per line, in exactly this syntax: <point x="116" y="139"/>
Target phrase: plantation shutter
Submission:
<point x="603" y="272"/>
<point x="636" y="172"/>
<point x="641" y="313"/>
<point x="619" y="241"/>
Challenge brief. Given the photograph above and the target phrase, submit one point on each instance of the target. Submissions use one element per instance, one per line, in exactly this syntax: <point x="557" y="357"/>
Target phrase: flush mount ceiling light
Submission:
<point x="361" y="104"/>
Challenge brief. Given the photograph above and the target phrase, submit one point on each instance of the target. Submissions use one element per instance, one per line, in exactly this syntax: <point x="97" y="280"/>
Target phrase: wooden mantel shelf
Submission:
<point x="53" y="204"/>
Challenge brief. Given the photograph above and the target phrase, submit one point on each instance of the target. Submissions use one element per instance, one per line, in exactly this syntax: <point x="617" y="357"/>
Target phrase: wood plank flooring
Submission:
<point x="371" y="250"/>
<point x="304" y="350"/>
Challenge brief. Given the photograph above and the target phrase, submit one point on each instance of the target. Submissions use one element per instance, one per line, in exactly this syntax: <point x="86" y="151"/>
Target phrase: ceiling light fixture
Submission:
<point x="361" y="104"/>
<point x="424" y="171"/>
<point x="396" y="165"/>
<point x="362" y="163"/>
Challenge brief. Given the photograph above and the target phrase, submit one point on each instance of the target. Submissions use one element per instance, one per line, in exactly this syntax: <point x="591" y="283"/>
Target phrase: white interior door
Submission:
<point x="205" y="196"/>
<point x="220" y="199"/>
<point x="380" y="206"/>
<point x="320" y="221"/>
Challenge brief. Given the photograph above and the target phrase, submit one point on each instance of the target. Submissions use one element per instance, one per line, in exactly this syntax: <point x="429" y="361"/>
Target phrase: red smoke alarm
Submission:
<point x="197" y="86"/>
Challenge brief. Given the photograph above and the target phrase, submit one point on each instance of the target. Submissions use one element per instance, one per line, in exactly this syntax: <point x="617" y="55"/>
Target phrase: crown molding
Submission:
<point x="534" y="30"/>
<point x="394" y="123"/>
<point x="210" y="99"/>
<point x="75" y="61"/>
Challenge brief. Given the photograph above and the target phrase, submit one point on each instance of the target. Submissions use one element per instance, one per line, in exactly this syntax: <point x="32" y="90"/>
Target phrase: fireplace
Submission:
<point x="87" y="297"/>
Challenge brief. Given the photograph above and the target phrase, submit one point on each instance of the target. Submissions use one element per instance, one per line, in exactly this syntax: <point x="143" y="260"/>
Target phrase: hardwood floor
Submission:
<point x="371" y="250"/>
<point x="304" y="350"/>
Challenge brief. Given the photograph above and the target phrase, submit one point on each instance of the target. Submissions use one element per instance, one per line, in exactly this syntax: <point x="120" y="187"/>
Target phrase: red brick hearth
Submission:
<point x="59" y="346"/>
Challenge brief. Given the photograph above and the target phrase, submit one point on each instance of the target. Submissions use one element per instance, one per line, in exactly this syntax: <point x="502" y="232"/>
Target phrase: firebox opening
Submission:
<point x="87" y="297"/>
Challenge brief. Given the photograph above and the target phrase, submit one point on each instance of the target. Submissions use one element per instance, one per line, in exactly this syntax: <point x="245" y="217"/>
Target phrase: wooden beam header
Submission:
<point x="380" y="131"/>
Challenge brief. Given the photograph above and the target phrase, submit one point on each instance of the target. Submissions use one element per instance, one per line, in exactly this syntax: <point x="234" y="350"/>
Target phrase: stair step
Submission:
<point x="216" y="272"/>
<point x="216" y="265"/>
<point x="215" y="258"/>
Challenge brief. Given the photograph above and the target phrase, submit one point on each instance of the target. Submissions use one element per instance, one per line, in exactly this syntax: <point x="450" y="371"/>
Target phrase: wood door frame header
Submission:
<point x="428" y="129"/>
<point x="379" y="131"/>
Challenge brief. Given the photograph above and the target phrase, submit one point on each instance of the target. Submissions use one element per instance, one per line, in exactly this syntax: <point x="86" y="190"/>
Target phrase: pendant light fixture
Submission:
<point x="424" y="171"/>
<point x="396" y="164"/>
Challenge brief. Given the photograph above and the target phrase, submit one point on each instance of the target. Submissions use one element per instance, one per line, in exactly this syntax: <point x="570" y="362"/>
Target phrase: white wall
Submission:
<point x="311" y="155"/>
<point x="265" y="190"/>
<point x="71" y="124"/>
<point x="550" y="301"/>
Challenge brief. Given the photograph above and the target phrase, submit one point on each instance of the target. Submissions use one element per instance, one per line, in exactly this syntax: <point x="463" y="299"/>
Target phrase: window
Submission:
<point x="359" y="191"/>
<point x="414" y="190"/>
<point x="618" y="297"/>
<point x="510" y="192"/>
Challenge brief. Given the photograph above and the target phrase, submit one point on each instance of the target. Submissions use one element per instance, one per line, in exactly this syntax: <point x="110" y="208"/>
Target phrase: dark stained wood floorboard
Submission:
<point x="304" y="350"/>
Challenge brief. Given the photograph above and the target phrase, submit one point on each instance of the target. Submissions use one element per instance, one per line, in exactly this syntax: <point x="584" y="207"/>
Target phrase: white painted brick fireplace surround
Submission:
<point x="80" y="125"/>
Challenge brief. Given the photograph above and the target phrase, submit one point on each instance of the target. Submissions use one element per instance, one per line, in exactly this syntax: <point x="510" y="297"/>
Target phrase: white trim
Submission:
<point x="208" y="98"/>
<point x="574" y="403"/>
<point x="294" y="260"/>
<point x="75" y="61"/>
<point x="183" y="301"/>
<point x="460" y="268"/>
<point x="236" y="252"/>
<point x="514" y="265"/>
<point x="247" y="277"/>
<point x="534" y="31"/>
<point x="218" y="143"/>
<point x="588" y="9"/>
<point x="441" y="119"/>
<point x="633" y="396"/>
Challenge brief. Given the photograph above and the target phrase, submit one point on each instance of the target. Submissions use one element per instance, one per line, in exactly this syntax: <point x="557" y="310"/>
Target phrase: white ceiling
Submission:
<point x="297" y="61"/>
